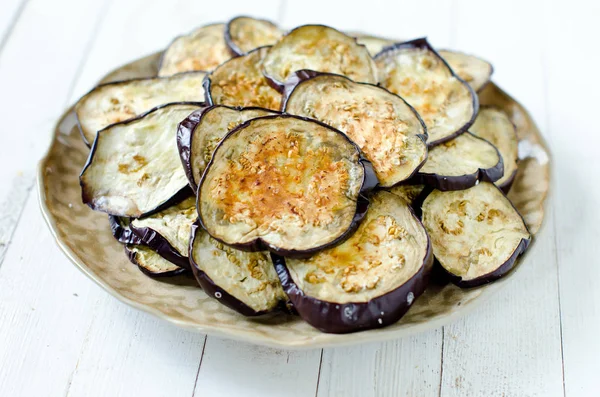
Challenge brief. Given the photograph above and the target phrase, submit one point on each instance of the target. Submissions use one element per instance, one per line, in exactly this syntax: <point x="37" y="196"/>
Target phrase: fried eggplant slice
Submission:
<point x="240" y="82"/>
<point x="493" y="125"/>
<point x="203" y="49"/>
<point x="200" y="133"/>
<point x="123" y="100"/>
<point x="121" y="230"/>
<point x="476" y="234"/>
<point x="319" y="48"/>
<point x="387" y="129"/>
<point x="244" y="34"/>
<point x="475" y="71"/>
<point x="150" y="262"/>
<point x="284" y="183"/>
<point x="461" y="163"/>
<point x="409" y="193"/>
<point x="243" y="281"/>
<point x="374" y="44"/>
<point x="134" y="168"/>
<point x="368" y="281"/>
<point x="168" y="232"/>
<point x="414" y="71"/>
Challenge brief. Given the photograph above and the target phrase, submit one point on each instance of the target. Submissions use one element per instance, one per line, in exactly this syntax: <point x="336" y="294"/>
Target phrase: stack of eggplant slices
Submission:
<point x="306" y="171"/>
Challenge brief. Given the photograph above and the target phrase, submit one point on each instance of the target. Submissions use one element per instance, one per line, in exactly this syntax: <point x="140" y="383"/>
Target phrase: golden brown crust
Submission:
<point x="247" y="34"/>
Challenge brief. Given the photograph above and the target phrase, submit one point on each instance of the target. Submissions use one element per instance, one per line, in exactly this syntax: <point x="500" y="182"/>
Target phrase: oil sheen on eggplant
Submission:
<point x="150" y="262"/>
<point x="374" y="44"/>
<point x="368" y="281"/>
<point x="200" y="133"/>
<point x="319" y="48"/>
<point x="240" y="82"/>
<point x="243" y="281"/>
<point x="284" y="183"/>
<point x="461" y="163"/>
<point x="121" y="230"/>
<point x="476" y="234"/>
<point x="134" y="168"/>
<point x="203" y="49"/>
<point x="168" y="232"/>
<point x="244" y="34"/>
<point x="493" y="125"/>
<point x="414" y="71"/>
<point x="388" y="130"/>
<point x="115" y="102"/>
<point x="475" y="71"/>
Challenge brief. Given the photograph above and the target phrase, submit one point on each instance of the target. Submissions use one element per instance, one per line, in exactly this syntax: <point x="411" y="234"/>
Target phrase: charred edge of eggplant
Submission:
<point x="162" y="56"/>
<point x="505" y="187"/>
<point x="280" y="85"/>
<point x="185" y="136"/>
<point x="341" y="318"/>
<point x="131" y="255"/>
<point x="151" y="238"/>
<point x="369" y="183"/>
<point x="179" y="196"/>
<point x="213" y="289"/>
<point x="492" y="276"/>
<point x="78" y="122"/>
<point x="122" y="233"/>
<point x="422" y="43"/>
<point x="492" y="70"/>
<point x="447" y="183"/>
<point x="233" y="48"/>
<point x="303" y="75"/>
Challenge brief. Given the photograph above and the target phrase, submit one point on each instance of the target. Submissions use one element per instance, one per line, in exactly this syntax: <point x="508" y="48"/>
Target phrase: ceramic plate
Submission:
<point x="85" y="237"/>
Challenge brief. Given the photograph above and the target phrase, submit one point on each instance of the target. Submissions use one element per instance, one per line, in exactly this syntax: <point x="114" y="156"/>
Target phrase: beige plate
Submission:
<point x="85" y="237"/>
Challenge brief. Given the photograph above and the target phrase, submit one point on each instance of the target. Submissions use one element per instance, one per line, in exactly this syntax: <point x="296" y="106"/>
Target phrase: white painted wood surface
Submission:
<point x="62" y="335"/>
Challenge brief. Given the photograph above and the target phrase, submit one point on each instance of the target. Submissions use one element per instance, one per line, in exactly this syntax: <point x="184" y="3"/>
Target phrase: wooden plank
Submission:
<point x="231" y="368"/>
<point x="406" y="367"/>
<point x="35" y="87"/>
<point x="571" y="99"/>
<point x="511" y="345"/>
<point x="10" y="11"/>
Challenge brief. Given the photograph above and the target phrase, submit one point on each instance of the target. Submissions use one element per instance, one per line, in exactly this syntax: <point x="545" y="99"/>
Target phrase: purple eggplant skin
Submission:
<point x="179" y="196"/>
<point x="235" y="50"/>
<point x="122" y="233"/>
<point x="131" y="255"/>
<point x="213" y="289"/>
<point x="341" y="318"/>
<point x="493" y="276"/>
<point x="505" y="187"/>
<point x="461" y="182"/>
<point x="185" y="136"/>
<point x="422" y="43"/>
<point x="161" y="245"/>
<point x="370" y="182"/>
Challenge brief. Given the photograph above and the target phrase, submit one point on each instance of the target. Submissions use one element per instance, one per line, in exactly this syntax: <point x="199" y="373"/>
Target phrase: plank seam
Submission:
<point x="319" y="373"/>
<point x="442" y="362"/>
<point x="12" y="24"/>
<point x="199" y="365"/>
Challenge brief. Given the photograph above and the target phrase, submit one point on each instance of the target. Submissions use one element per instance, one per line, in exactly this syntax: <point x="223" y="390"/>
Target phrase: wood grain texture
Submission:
<point x="571" y="100"/>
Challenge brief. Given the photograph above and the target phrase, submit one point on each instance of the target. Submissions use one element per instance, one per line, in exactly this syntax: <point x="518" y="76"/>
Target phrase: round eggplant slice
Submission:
<point x="320" y="48"/>
<point x="291" y="185"/>
<point x="134" y="167"/>
<point x="240" y="82"/>
<point x="461" y="163"/>
<point x="200" y="133"/>
<point x="150" y="262"/>
<point x="476" y="234"/>
<point x="418" y="74"/>
<point x="493" y="125"/>
<point x="475" y="71"/>
<point x="244" y="34"/>
<point x="374" y="44"/>
<point x="370" y="280"/>
<point x="168" y="232"/>
<point x="409" y="193"/>
<point x="243" y="281"/>
<point x="123" y="100"/>
<point x="388" y="130"/>
<point x="203" y="49"/>
<point x="121" y="230"/>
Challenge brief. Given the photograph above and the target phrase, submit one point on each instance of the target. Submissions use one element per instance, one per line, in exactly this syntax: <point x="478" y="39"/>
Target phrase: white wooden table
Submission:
<point x="60" y="334"/>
